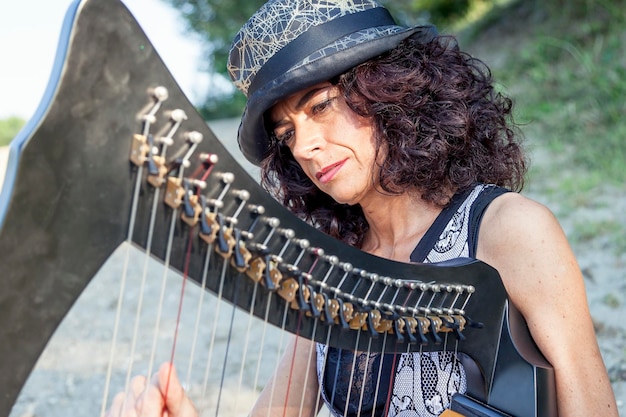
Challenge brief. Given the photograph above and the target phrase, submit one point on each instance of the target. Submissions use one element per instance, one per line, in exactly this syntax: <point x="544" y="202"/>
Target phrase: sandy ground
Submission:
<point x="68" y="379"/>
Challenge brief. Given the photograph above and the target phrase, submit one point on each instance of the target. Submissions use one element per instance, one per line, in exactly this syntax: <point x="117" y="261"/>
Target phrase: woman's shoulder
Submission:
<point x="513" y="220"/>
<point x="523" y="240"/>
<point x="517" y="204"/>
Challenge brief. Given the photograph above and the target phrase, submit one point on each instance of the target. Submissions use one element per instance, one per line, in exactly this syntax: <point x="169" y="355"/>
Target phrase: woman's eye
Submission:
<point x="321" y="106"/>
<point x="284" y="137"/>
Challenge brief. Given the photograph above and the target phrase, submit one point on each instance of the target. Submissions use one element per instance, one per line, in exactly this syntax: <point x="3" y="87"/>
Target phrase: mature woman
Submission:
<point x="395" y="141"/>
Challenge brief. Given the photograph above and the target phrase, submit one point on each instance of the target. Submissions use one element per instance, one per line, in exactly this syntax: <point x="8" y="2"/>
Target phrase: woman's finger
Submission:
<point x="124" y="403"/>
<point x="116" y="406"/>
<point x="177" y="403"/>
<point x="149" y="402"/>
<point x="136" y="387"/>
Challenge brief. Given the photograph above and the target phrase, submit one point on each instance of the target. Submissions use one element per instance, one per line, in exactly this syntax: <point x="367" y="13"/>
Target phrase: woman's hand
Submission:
<point x="162" y="396"/>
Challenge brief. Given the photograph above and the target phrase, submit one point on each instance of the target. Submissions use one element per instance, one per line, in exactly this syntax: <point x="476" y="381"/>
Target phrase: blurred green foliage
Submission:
<point x="567" y="74"/>
<point x="564" y="64"/>
<point x="9" y="128"/>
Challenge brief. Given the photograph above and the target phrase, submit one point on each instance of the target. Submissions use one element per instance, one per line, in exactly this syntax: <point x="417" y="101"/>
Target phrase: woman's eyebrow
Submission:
<point x="276" y="124"/>
<point x="308" y="95"/>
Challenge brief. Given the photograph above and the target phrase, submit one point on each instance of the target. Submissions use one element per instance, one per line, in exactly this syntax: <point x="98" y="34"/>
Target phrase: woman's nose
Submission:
<point x="307" y="142"/>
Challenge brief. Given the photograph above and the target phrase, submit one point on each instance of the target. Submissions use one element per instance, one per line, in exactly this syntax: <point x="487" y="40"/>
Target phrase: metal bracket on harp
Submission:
<point x="307" y="279"/>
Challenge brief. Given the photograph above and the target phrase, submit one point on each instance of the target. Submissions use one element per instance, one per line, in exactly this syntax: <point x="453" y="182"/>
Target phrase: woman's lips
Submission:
<point x="327" y="173"/>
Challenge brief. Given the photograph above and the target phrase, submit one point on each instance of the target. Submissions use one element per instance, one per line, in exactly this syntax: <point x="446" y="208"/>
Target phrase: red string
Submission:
<point x="182" y="290"/>
<point x="179" y="312"/>
<point x="206" y="174"/>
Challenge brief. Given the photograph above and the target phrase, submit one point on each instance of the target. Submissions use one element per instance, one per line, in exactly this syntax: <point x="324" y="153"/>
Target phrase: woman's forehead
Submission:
<point x="307" y="92"/>
<point x="297" y="100"/>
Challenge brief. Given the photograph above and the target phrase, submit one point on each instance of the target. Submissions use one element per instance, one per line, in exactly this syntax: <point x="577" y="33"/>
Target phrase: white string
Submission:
<point x="278" y="356"/>
<point x="380" y="371"/>
<point x="118" y="310"/>
<point x="384" y="345"/>
<point x="322" y="371"/>
<point x="262" y="343"/>
<point x="247" y="342"/>
<point x="354" y="354"/>
<point x="207" y="261"/>
<point x="160" y="94"/>
<point x="168" y="251"/>
<point x="135" y="336"/>
<point x="157" y="324"/>
<point x="214" y="331"/>
<point x="306" y="375"/>
<point x="365" y="376"/>
<point x="221" y="387"/>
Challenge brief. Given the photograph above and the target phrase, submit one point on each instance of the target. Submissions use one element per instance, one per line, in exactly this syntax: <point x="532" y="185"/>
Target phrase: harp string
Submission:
<point x="179" y="312"/>
<point x="380" y="363"/>
<point x="332" y="261"/>
<point x="235" y="243"/>
<point x="256" y="211"/>
<point x="279" y="353"/>
<point x="159" y="96"/>
<point x="363" y="305"/>
<point x="381" y="360"/>
<point x="288" y="234"/>
<point x="354" y="364"/>
<point x="118" y="309"/>
<point x="246" y="343"/>
<point x="167" y="259"/>
<point x="228" y="340"/>
<point x="395" y="355"/>
<point x="198" y="316"/>
<point x="355" y="353"/>
<point x="316" y="252"/>
<point x="216" y="314"/>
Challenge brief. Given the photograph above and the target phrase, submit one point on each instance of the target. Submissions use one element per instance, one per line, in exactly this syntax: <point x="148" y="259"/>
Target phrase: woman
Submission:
<point x="393" y="140"/>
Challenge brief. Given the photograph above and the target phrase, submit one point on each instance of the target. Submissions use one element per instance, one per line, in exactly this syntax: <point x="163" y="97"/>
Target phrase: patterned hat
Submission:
<point x="288" y="45"/>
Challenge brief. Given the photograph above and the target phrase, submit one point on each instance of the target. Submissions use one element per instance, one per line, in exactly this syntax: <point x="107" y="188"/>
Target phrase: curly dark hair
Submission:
<point x="445" y="127"/>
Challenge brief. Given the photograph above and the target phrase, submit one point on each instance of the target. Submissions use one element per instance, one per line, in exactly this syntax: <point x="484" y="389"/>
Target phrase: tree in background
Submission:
<point x="217" y="22"/>
<point x="9" y="128"/>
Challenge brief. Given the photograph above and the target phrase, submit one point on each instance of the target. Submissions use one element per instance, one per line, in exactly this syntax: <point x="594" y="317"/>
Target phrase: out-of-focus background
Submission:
<point x="563" y="62"/>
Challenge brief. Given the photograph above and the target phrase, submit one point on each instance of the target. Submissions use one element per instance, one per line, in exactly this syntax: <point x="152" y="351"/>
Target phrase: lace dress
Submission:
<point x="423" y="383"/>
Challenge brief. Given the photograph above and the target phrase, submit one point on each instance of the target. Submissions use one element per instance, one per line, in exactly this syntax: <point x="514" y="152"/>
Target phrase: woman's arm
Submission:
<point x="525" y="243"/>
<point x="293" y="390"/>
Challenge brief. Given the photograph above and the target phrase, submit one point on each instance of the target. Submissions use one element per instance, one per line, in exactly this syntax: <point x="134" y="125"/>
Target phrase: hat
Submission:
<point x="288" y="45"/>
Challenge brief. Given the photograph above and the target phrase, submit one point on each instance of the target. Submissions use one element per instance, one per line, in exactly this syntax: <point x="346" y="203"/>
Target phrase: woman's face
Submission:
<point x="334" y="146"/>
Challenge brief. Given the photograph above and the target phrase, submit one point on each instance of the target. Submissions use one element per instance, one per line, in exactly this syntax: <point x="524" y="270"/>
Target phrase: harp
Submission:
<point x="116" y="157"/>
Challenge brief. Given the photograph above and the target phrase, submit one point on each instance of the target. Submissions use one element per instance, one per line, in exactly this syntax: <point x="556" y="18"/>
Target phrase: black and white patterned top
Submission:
<point x="423" y="383"/>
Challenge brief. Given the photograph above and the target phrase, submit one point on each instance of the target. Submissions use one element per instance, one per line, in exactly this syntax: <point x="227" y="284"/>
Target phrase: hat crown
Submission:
<point x="275" y="25"/>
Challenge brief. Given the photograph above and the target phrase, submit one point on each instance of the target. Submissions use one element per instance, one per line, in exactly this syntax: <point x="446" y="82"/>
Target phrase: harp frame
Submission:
<point x="68" y="192"/>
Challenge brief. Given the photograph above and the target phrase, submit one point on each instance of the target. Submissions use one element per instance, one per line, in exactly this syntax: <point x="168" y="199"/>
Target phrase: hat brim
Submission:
<point x="253" y="138"/>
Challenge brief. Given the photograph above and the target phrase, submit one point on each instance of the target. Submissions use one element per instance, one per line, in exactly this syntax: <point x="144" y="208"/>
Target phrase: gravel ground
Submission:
<point x="68" y="377"/>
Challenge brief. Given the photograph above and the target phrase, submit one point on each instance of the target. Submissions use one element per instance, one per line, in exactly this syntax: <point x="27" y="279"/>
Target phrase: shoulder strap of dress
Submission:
<point x="432" y="235"/>
<point x="476" y="215"/>
<point x="428" y="241"/>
